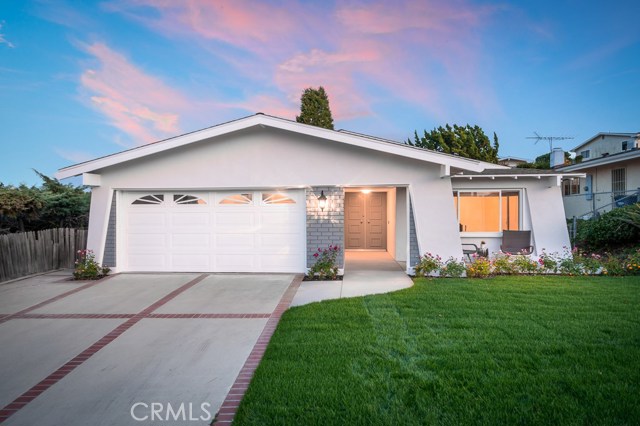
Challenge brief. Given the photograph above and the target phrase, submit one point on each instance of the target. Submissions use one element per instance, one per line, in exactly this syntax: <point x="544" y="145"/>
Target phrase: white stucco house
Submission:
<point x="262" y="194"/>
<point x="610" y="163"/>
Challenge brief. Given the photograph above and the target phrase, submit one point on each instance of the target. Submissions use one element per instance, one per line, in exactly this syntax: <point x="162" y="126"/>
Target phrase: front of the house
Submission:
<point x="262" y="194"/>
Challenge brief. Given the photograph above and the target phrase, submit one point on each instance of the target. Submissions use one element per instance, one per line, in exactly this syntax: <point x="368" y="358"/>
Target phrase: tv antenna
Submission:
<point x="550" y="139"/>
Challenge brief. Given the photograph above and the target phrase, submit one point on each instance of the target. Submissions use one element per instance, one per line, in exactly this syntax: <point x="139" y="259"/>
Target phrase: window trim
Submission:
<point x="490" y="234"/>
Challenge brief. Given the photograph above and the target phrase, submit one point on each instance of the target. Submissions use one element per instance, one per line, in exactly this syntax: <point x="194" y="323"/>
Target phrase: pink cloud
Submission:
<point x="141" y="105"/>
<point x="410" y="50"/>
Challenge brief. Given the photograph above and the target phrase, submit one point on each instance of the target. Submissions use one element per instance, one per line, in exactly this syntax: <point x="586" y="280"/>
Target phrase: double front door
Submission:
<point x="366" y="220"/>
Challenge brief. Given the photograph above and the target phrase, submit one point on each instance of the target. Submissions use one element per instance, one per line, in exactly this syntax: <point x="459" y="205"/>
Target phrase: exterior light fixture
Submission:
<point x="365" y="191"/>
<point x="322" y="201"/>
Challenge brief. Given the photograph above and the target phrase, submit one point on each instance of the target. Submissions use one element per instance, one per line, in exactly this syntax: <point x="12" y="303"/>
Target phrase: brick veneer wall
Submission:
<point x="414" y="252"/>
<point x="325" y="227"/>
<point x="109" y="258"/>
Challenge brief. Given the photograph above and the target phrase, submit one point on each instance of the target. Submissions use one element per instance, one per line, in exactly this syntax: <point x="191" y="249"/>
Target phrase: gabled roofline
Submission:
<point x="591" y="139"/>
<point x="261" y="119"/>
<point x="601" y="161"/>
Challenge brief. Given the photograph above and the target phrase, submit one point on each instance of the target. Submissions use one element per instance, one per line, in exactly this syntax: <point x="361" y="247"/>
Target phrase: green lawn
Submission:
<point x="501" y="351"/>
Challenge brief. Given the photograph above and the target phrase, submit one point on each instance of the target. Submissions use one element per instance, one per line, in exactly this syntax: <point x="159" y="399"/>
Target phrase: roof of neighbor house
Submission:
<point x="601" y="161"/>
<point x="513" y="159"/>
<point x="263" y="120"/>
<point x="624" y="135"/>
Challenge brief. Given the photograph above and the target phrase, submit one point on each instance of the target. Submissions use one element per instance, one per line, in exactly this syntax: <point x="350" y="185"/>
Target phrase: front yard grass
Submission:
<point x="507" y="350"/>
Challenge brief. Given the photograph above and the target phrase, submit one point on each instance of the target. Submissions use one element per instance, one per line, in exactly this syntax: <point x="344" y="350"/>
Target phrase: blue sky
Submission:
<point x="82" y="79"/>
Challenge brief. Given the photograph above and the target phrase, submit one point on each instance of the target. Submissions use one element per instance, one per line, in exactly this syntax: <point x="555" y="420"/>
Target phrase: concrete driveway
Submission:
<point x="134" y="349"/>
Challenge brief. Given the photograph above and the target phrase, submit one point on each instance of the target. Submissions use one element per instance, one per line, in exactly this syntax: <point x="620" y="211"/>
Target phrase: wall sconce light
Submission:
<point x="322" y="201"/>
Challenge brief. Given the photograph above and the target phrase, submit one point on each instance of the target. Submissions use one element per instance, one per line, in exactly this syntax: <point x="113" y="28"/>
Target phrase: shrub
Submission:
<point x="325" y="266"/>
<point x="549" y="262"/>
<point x="452" y="268"/>
<point x="480" y="267"/>
<point x="632" y="263"/>
<point x="610" y="230"/>
<point x="591" y="264"/>
<point x="502" y="264"/>
<point x="523" y="264"/>
<point x="427" y="265"/>
<point x="87" y="268"/>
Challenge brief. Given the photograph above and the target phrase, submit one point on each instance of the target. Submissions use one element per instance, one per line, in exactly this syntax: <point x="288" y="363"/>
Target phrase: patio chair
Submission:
<point x="468" y="249"/>
<point x="516" y="242"/>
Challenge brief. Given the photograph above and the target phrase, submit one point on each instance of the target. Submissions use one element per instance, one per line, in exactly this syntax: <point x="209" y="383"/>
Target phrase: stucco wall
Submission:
<point x="271" y="158"/>
<point x="326" y="227"/>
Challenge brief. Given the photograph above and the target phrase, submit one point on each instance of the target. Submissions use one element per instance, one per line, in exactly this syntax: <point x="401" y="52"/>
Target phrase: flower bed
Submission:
<point x="325" y="268"/>
<point x="569" y="262"/>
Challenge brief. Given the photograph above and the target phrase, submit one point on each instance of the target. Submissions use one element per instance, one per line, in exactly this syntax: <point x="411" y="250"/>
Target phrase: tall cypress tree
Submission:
<point x="314" y="108"/>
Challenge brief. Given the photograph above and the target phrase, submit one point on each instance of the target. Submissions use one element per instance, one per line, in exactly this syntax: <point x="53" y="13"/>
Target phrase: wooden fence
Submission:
<point x="27" y="253"/>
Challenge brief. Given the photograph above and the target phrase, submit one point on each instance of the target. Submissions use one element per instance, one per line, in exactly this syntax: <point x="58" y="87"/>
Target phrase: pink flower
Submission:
<point x="315" y="254"/>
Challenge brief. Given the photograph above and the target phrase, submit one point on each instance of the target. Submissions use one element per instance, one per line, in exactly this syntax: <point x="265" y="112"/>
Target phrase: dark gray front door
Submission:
<point x="366" y="220"/>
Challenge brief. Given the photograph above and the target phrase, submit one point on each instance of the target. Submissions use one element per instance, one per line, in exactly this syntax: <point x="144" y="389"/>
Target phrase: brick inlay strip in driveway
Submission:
<point x="54" y="299"/>
<point x="67" y="368"/>
<point x="147" y="316"/>
<point x="231" y="403"/>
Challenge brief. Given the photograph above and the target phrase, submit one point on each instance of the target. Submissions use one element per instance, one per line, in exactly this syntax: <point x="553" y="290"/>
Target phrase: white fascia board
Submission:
<point x="257" y="120"/>
<point x="533" y="176"/>
<point x="602" y="161"/>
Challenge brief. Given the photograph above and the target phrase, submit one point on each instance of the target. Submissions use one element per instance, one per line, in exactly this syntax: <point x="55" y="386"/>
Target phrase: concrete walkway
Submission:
<point x="365" y="272"/>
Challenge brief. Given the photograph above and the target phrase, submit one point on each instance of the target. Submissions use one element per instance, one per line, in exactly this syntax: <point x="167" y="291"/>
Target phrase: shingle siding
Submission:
<point x="414" y="252"/>
<point x="325" y="227"/>
<point x="109" y="258"/>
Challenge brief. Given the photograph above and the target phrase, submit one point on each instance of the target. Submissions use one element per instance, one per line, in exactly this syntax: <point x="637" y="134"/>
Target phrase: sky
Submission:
<point x="83" y="79"/>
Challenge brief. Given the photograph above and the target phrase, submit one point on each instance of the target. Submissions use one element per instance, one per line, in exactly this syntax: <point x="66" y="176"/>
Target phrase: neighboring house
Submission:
<point x="262" y="194"/>
<point x="611" y="163"/>
<point x="512" y="162"/>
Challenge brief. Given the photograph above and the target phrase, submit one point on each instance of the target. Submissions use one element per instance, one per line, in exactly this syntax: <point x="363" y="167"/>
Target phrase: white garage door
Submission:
<point x="240" y="231"/>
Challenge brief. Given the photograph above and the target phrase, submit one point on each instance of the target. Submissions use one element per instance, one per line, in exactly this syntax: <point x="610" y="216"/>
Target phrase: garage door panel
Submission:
<point x="191" y="261"/>
<point x="234" y="263"/>
<point x="235" y="221"/>
<point x="179" y="241"/>
<point x="141" y="220"/>
<point x="148" y="241"/>
<point x="196" y="220"/>
<point x="235" y="242"/>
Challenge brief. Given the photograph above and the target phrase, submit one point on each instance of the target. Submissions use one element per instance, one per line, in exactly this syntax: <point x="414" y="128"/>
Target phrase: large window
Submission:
<point x="487" y="211"/>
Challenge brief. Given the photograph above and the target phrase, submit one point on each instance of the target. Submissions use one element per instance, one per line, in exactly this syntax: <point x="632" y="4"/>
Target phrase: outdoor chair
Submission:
<point x="516" y="242"/>
<point x="468" y="249"/>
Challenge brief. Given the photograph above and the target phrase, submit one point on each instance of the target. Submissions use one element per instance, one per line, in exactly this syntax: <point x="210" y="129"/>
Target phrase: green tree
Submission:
<point x="543" y="162"/>
<point x="314" y="108"/>
<point x="18" y="206"/>
<point x="465" y="141"/>
<point x="53" y="204"/>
